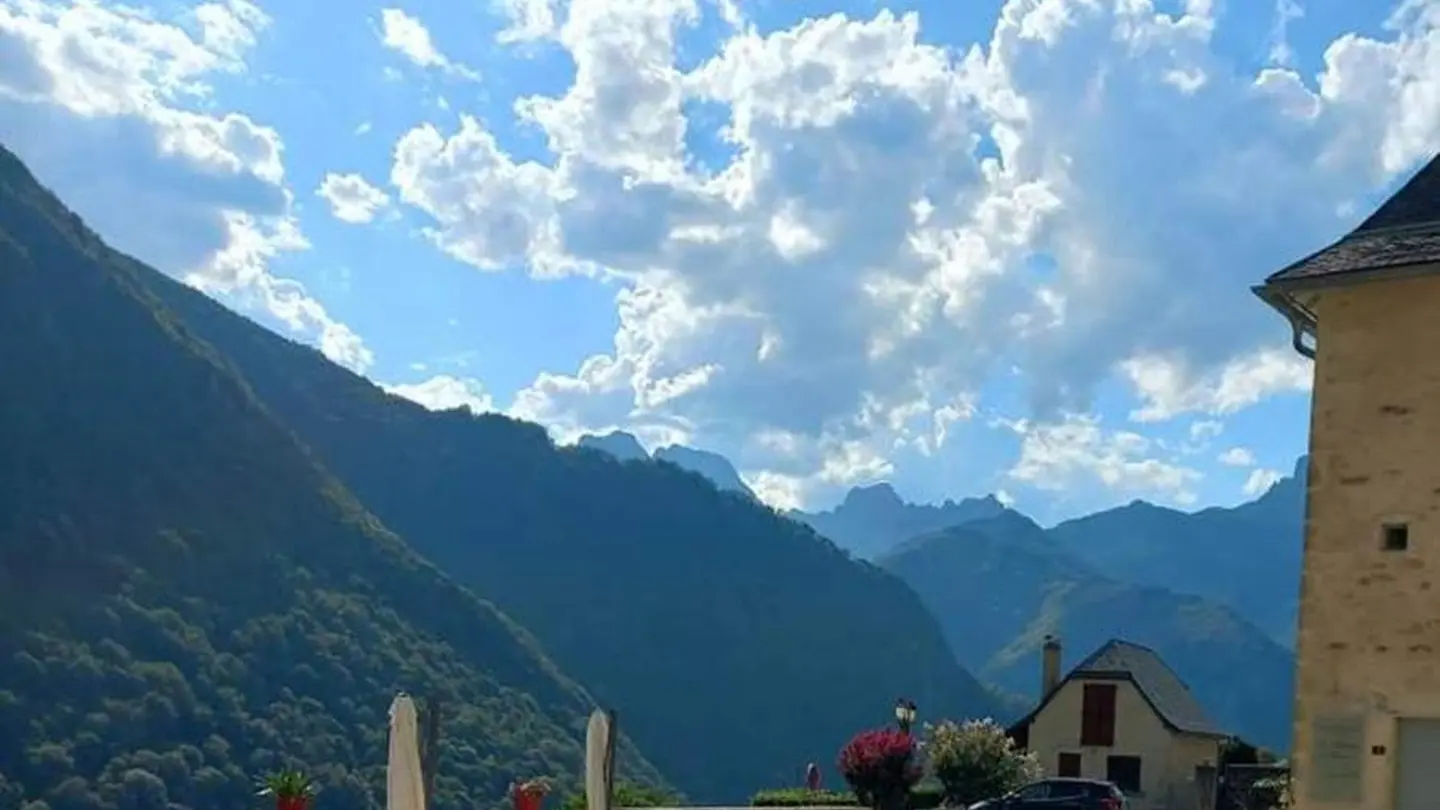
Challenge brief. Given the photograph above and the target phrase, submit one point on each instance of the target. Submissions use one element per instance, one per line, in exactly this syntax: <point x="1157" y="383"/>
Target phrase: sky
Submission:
<point x="994" y="246"/>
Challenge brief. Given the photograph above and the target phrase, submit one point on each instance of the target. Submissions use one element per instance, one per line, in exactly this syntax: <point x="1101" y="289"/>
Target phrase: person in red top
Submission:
<point x="812" y="777"/>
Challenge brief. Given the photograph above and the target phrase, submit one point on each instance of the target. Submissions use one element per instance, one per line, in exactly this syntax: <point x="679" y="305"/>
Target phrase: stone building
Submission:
<point x="1367" y="691"/>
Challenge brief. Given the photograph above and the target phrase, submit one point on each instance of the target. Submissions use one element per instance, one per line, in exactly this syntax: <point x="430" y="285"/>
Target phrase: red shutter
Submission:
<point x="1097" y="715"/>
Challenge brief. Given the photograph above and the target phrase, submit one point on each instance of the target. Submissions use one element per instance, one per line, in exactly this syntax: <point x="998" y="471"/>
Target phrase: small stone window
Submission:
<point x="1395" y="537"/>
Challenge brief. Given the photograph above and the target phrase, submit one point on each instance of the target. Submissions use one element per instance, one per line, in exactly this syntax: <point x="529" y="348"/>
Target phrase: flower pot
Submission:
<point x="528" y="799"/>
<point x="292" y="802"/>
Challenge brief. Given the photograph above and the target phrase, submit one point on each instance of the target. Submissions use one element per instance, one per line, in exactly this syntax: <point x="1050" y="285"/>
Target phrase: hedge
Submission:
<point x="922" y="797"/>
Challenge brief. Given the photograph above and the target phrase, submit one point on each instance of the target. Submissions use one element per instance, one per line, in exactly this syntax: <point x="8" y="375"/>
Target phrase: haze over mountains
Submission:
<point x="1214" y="591"/>
<point x="220" y="553"/>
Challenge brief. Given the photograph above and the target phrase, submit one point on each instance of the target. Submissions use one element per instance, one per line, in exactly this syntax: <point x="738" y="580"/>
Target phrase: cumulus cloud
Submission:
<point x="529" y="20"/>
<point x="1259" y="481"/>
<point x="1083" y="199"/>
<point x="1167" y="388"/>
<point x="1077" y="452"/>
<point x="444" y="392"/>
<point x="1237" y="457"/>
<point x="110" y="107"/>
<point x="409" y="37"/>
<point x="352" y="199"/>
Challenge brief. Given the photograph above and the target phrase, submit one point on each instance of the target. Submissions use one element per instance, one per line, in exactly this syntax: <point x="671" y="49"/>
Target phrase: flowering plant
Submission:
<point x="529" y="794"/>
<point x="539" y="785"/>
<point x="880" y="767"/>
<point x="977" y="760"/>
<point x="291" y="789"/>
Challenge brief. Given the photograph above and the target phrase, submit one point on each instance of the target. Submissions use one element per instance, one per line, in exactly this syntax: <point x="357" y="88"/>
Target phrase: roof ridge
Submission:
<point x="1393" y="230"/>
<point x="1400" y="237"/>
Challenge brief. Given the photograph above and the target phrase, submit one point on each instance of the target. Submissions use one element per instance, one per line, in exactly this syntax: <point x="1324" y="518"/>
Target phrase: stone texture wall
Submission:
<point x="1369" y="636"/>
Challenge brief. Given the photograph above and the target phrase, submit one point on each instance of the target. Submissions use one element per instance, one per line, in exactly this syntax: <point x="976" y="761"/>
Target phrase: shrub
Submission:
<point x="800" y="797"/>
<point x="627" y="794"/>
<point x="922" y="797"/>
<point x="977" y="760"/>
<point x="926" y="797"/>
<point x="880" y="767"/>
<point x="1272" y="793"/>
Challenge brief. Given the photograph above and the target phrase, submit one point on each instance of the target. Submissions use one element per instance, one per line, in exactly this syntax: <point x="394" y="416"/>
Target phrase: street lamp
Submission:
<point x="905" y="714"/>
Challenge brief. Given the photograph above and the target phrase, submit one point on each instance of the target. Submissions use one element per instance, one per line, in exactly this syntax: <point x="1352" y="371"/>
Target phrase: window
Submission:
<point x="1038" y="790"/>
<point x="1124" y="772"/>
<point x="1395" y="537"/>
<point x="1097" y="715"/>
<point x="1069" y="764"/>
<point x="1066" y="790"/>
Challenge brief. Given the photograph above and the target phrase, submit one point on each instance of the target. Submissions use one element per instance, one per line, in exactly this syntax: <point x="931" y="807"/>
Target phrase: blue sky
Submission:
<point x="964" y="247"/>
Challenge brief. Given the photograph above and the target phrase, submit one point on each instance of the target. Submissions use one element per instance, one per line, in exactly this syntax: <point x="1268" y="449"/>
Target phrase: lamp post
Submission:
<point x="905" y="714"/>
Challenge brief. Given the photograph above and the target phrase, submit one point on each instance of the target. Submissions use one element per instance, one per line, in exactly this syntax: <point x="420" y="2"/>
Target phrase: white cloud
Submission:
<point x="409" y="37"/>
<point x="112" y="108"/>
<point x="529" y="20"/>
<point x="444" y="392"/>
<point x="1205" y="429"/>
<point x="1077" y="452"/>
<point x="1237" y="457"/>
<point x="1168" y="389"/>
<point x="1286" y="12"/>
<point x="352" y="199"/>
<point x="491" y="212"/>
<point x="1259" y="481"/>
<point x="868" y="251"/>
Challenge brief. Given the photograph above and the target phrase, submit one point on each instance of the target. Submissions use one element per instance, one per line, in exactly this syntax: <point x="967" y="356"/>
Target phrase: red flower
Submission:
<point x="879" y="766"/>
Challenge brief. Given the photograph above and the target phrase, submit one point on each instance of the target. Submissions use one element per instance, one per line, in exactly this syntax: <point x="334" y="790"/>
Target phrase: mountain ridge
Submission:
<point x="1001" y="586"/>
<point x="871" y="519"/>
<point x="183" y="588"/>
<point x="739" y="624"/>
<point x="711" y="466"/>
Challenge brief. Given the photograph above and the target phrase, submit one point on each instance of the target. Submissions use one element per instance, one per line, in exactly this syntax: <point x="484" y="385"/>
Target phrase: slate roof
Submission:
<point x="1156" y="681"/>
<point x="1403" y="232"/>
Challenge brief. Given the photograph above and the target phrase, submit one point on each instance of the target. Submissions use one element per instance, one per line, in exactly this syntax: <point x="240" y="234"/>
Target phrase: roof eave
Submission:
<point x="1280" y="295"/>
<point x="1106" y="675"/>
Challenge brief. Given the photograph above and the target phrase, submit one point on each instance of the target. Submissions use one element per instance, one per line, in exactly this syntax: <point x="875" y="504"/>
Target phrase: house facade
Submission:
<point x="1367" y="692"/>
<point x="1124" y="716"/>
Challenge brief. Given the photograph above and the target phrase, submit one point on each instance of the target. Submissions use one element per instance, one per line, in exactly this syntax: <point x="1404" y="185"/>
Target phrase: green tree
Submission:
<point x="977" y="760"/>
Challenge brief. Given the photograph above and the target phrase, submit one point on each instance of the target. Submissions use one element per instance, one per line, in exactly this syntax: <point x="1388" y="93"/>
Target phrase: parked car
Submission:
<point x="1060" y="794"/>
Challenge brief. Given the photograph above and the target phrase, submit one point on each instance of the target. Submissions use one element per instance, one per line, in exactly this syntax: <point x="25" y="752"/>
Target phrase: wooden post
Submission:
<point x="430" y="748"/>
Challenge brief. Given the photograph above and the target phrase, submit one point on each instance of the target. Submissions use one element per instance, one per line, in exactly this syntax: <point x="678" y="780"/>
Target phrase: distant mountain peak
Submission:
<point x="881" y="495"/>
<point x="618" y="443"/>
<point x="874" y="519"/>
<point x="713" y="466"/>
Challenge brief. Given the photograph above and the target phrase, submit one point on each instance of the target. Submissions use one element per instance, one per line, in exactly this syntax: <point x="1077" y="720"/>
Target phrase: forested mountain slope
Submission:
<point x="187" y="598"/>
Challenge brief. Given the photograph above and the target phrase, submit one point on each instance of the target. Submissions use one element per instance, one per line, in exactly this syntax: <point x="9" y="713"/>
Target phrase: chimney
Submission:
<point x="1049" y="666"/>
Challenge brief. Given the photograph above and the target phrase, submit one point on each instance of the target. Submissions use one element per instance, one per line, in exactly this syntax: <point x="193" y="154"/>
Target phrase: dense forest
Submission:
<point x="188" y="600"/>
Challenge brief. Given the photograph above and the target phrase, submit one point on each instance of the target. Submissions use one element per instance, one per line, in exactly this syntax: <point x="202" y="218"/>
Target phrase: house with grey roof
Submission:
<point x="1123" y="715"/>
